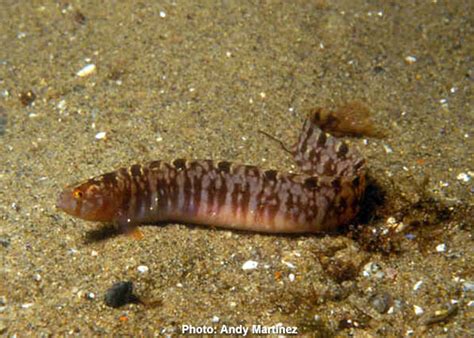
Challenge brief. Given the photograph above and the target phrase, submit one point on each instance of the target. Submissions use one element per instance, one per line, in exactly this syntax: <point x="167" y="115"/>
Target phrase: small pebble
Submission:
<point x="464" y="177"/>
<point x="370" y="269"/>
<point x="394" y="225"/>
<point x="289" y="264"/>
<point x="381" y="302"/>
<point x="90" y="295"/>
<point x="119" y="294"/>
<point x="441" y="247"/>
<point x="378" y="69"/>
<point x="443" y="184"/>
<point x="215" y="319"/>
<point x="162" y="14"/>
<point x="391" y="221"/>
<point x="249" y="265"/>
<point x="380" y="275"/>
<point x="143" y="269"/>
<point x="100" y="135"/>
<point x="159" y="138"/>
<point x="468" y="286"/>
<point x="3" y="120"/>
<point x="398" y="304"/>
<point x="5" y="242"/>
<point x="417" y="285"/>
<point x="387" y="149"/>
<point x="27" y="98"/>
<point x="86" y="70"/>
<point x="410" y="59"/>
<point x="37" y="277"/>
<point x="61" y="105"/>
<point x="418" y="310"/>
<point x="291" y="277"/>
<point x="26" y="305"/>
<point x="391" y="273"/>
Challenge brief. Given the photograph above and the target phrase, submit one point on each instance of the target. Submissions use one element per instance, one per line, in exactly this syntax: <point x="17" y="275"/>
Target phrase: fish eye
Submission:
<point x="78" y="194"/>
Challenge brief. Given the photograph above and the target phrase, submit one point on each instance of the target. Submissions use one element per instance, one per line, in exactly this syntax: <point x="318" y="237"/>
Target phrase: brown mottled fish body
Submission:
<point x="327" y="193"/>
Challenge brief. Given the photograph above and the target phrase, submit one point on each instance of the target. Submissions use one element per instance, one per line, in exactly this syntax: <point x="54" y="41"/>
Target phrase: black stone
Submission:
<point x="119" y="294"/>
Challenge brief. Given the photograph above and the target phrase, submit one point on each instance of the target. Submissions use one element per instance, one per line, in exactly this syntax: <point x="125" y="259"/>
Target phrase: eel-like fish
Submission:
<point x="325" y="195"/>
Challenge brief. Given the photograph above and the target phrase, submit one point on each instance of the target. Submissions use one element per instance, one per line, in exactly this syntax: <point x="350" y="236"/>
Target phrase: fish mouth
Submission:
<point x="65" y="201"/>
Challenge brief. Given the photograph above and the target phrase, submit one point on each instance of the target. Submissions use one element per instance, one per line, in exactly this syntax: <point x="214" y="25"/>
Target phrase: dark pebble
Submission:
<point x="3" y="120"/>
<point x="119" y="294"/>
<point x="79" y="17"/>
<point x="378" y="69"/>
<point x="27" y="98"/>
<point x="381" y="302"/>
<point x="345" y="324"/>
<point x="5" y="242"/>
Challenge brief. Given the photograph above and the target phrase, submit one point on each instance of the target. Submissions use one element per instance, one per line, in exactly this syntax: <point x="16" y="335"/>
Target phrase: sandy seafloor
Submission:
<point x="199" y="80"/>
